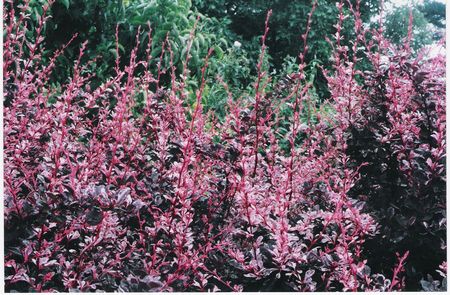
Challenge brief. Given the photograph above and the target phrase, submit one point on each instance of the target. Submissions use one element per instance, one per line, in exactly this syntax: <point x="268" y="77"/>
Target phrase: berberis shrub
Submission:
<point x="127" y="187"/>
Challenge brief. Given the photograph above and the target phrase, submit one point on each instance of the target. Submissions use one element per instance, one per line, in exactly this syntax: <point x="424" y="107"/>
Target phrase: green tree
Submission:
<point x="287" y="24"/>
<point x="96" y="21"/>
<point x="397" y="22"/>
<point x="434" y="12"/>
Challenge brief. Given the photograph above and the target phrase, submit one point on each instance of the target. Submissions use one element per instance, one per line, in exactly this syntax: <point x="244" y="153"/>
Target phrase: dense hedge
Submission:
<point x="129" y="187"/>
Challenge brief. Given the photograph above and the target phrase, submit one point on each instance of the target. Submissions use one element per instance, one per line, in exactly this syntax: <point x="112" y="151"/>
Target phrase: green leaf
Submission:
<point x="218" y="51"/>
<point x="66" y="3"/>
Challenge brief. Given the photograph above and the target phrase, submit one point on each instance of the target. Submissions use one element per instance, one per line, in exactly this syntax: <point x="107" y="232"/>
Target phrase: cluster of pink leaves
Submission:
<point x="98" y="198"/>
<point x="415" y="96"/>
<point x="396" y="117"/>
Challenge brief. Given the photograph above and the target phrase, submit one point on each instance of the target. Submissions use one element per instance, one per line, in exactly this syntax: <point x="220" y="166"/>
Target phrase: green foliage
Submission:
<point x="93" y="21"/>
<point x="434" y="12"/>
<point x="231" y="27"/>
<point x="287" y="24"/>
<point x="96" y="21"/>
<point x="397" y="23"/>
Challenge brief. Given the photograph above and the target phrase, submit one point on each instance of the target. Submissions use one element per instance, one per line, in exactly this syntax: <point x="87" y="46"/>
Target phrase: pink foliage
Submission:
<point x="172" y="200"/>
